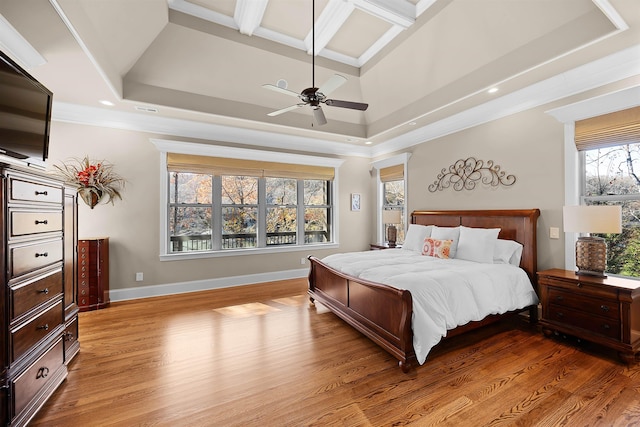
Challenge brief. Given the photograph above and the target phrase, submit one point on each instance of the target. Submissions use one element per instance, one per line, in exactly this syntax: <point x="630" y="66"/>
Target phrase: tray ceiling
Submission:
<point x="415" y="62"/>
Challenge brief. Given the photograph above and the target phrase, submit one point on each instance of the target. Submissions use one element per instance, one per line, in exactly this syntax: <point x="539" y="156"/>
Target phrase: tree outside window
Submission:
<point x="612" y="176"/>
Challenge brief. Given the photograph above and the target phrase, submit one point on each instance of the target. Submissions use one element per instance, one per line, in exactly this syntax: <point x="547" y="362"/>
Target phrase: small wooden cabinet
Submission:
<point x="381" y="246"/>
<point x="93" y="273"/>
<point x="601" y="310"/>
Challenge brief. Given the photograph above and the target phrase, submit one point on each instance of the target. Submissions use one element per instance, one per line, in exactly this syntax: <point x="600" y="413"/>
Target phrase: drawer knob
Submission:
<point x="42" y="373"/>
<point x="604" y="307"/>
<point x="44" y="291"/>
<point x="45" y="222"/>
<point x="44" y="327"/>
<point x="560" y="314"/>
<point x="44" y="254"/>
<point x="41" y="193"/>
<point x="68" y="336"/>
<point x="559" y="298"/>
<point x="606" y="326"/>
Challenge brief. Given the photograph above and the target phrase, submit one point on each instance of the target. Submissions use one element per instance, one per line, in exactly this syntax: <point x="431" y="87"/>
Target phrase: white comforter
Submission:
<point x="446" y="293"/>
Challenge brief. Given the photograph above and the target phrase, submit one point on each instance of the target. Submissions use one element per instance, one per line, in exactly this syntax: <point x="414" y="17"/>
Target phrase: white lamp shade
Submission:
<point x="592" y="219"/>
<point x="391" y="216"/>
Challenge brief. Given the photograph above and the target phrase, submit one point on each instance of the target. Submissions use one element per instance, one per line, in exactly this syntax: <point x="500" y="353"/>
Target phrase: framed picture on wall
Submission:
<point x="355" y="201"/>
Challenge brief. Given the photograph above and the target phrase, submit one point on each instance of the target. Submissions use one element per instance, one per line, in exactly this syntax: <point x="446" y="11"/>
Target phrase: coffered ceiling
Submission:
<point x="195" y="68"/>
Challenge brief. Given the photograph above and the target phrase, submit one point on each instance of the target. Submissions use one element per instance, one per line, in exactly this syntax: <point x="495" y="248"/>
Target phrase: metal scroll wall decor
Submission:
<point x="466" y="174"/>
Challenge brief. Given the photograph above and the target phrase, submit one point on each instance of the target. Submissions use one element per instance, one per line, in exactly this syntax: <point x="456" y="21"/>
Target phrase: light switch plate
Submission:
<point x="554" y="233"/>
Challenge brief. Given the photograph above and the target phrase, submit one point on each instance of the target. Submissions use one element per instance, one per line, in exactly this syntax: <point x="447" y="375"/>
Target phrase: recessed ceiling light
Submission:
<point x="493" y="90"/>
<point x="107" y="103"/>
<point x="369" y="142"/>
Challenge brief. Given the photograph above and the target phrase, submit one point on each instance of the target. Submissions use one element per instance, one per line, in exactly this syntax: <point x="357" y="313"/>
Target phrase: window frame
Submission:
<point x="400" y="159"/>
<point x="181" y="147"/>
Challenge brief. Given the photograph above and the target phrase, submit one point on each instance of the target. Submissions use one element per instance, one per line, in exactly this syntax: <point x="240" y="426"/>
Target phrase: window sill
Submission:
<point x="241" y="252"/>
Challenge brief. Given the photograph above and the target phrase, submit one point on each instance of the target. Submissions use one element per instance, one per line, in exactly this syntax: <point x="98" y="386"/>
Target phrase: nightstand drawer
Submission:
<point x="593" y="306"/>
<point x="595" y="324"/>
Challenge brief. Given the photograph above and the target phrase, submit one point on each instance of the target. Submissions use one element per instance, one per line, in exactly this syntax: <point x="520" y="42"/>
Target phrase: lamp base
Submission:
<point x="392" y="234"/>
<point x="591" y="256"/>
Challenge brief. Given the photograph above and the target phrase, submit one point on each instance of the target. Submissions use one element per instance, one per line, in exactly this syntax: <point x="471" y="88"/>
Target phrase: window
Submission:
<point x="612" y="176"/>
<point x="393" y="199"/>
<point x="609" y="148"/>
<point x="222" y="206"/>
<point x="392" y="193"/>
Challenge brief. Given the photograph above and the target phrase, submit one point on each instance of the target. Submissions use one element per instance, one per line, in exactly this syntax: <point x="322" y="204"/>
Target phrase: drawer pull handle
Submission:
<point x="44" y="254"/>
<point x="45" y="222"/>
<point x="604" y="307"/>
<point x="44" y="327"/>
<point x="42" y="373"/>
<point x="606" y="326"/>
<point x="44" y="291"/>
<point x="560" y="314"/>
<point x="559" y="298"/>
<point x="41" y="193"/>
<point x="68" y="336"/>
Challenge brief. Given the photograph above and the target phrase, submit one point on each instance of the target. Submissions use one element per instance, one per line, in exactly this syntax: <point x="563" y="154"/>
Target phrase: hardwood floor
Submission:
<point x="263" y="356"/>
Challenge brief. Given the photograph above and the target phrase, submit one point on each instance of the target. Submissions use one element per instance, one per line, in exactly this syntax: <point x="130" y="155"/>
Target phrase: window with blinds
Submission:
<point x="226" y="204"/>
<point x="609" y="147"/>
<point x="393" y="196"/>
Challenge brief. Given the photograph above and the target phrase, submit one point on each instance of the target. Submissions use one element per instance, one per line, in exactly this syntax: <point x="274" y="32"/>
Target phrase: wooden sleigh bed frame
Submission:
<point x="383" y="313"/>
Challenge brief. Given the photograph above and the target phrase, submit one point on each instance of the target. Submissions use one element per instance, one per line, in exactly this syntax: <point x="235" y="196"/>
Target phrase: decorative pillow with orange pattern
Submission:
<point x="437" y="248"/>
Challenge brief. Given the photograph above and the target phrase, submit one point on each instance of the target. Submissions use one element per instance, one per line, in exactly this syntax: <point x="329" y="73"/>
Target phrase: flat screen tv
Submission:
<point x="25" y="114"/>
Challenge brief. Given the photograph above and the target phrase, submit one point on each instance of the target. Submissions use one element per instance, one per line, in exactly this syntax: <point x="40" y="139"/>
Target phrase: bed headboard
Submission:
<point x="519" y="225"/>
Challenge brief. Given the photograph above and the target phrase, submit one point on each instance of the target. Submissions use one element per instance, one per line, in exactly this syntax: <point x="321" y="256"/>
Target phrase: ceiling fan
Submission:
<point x="314" y="96"/>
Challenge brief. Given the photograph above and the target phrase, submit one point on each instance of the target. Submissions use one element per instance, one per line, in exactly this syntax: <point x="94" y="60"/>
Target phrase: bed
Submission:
<point x="384" y="312"/>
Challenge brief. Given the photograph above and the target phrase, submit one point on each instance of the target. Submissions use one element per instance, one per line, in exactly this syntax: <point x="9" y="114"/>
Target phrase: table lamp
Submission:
<point x="391" y="217"/>
<point x="591" y="252"/>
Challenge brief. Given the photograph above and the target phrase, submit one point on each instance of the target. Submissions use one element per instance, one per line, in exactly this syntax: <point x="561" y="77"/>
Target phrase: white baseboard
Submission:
<point x="203" y="285"/>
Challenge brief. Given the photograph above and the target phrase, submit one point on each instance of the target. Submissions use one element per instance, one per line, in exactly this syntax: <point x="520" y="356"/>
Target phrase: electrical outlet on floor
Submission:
<point x="139" y="277"/>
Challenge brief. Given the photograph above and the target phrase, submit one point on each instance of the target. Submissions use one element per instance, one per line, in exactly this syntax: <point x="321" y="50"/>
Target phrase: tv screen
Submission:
<point x="25" y="113"/>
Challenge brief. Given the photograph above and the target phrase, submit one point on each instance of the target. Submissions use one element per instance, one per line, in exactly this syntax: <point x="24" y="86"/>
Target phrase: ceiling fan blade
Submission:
<point x="332" y="84"/>
<point x="281" y="90"/>
<point x="347" y="104"/>
<point x="284" y="110"/>
<point x="319" y="117"/>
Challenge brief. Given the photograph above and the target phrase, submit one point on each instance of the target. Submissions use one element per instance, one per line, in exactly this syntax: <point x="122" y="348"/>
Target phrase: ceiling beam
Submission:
<point x="248" y="15"/>
<point x="328" y="23"/>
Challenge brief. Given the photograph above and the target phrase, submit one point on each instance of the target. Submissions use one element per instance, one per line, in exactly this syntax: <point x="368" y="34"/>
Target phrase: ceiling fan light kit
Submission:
<point x="314" y="96"/>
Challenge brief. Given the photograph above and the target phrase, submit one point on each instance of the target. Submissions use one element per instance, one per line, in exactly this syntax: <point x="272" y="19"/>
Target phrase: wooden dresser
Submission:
<point x="93" y="273"/>
<point x="601" y="310"/>
<point x="37" y="247"/>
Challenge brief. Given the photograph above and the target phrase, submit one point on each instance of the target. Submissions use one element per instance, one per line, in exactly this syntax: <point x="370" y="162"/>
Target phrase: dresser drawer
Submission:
<point x="593" y="306"/>
<point x="22" y="190"/>
<point x="23" y="223"/>
<point x="37" y="376"/>
<point x="24" y="258"/>
<point x="32" y="293"/>
<point x="595" y="324"/>
<point x="28" y="335"/>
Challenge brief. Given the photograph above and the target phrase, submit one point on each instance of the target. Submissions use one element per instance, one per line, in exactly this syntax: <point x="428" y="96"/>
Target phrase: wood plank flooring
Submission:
<point x="261" y="355"/>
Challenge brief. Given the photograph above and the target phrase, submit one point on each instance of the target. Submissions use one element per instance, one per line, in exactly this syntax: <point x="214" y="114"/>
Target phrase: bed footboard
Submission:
<point x="382" y="313"/>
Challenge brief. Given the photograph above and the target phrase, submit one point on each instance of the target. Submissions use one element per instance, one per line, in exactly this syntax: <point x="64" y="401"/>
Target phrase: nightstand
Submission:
<point x="605" y="311"/>
<point x="380" y="246"/>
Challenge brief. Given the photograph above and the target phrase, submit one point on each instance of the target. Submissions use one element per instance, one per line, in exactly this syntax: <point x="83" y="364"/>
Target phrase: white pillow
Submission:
<point x="414" y="239"/>
<point x="507" y="252"/>
<point x="447" y="233"/>
<point x="477" y="244"/>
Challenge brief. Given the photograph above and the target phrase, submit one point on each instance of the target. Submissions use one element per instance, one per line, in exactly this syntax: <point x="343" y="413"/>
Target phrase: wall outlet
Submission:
<point x="303" y="261"/>
<point x="139" y="277"/>
<point x="554" y="233"/>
